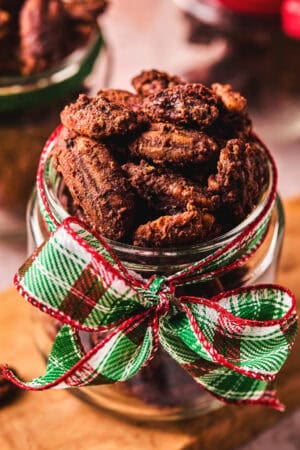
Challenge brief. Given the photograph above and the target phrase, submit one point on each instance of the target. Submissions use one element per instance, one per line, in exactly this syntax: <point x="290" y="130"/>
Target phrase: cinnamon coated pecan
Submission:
<point x="152" y="81"/>
<point x="241" y="177"/>
<point x="186" y="153"/>
<point x="129" y="99"/>
<point x="233" y="101"/>
<point x="99" y="117"/>
<point x="96" y="184"/>
<point x="187" y="104"/>
<point x="165" y="143"/>
<point x="167" y="191"/>
<point x="179" y="229"/>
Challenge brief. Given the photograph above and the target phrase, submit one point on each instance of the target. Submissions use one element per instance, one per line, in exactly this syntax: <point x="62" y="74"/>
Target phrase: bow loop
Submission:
<point x="234" y="341"/>
<point x="243" y="329"/>
<point x="156" y="284"/>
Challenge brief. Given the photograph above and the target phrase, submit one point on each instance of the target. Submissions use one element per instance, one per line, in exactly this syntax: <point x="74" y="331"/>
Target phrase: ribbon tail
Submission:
<point x="118" y="357"/>
<point x="74" y="278"/>
<point x="230" y="387"/>
<point x="222" y="383"/>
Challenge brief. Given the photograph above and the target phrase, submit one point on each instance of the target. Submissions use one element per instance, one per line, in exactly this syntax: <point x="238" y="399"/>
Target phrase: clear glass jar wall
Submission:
<point x="29" y="110"/>
<point x="162" y="390"/>
<point x="251" y="52"/>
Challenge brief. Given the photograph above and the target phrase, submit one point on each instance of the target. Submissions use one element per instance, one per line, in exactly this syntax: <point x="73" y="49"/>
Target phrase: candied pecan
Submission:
<point x="186" y="104"/>
<point x="96" y="184"/>
<point x="152" y="81"/>
<point x="64" y="141"/>
<point x="86" y="10"/>
<point x="233" y="101"/>
<point x="129" y="99"/>
<point x="180" y="229"/>
<point x="167" y="191"/>
<point x="166" y="143"/>
<point x="199" y="190"/>
<point x="240" y="178"/>
<point x="100" y="118"/>
<point x="42" y="24"/>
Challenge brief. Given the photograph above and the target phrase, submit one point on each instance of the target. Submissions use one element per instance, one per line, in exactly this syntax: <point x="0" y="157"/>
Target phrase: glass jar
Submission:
<point x="162" y="390"/>
<point x="29" y="111"/>
<point x="251" y="52"/>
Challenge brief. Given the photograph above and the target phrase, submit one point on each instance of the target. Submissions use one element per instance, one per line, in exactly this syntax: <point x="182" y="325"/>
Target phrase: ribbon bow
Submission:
<point x="233" y="344"/>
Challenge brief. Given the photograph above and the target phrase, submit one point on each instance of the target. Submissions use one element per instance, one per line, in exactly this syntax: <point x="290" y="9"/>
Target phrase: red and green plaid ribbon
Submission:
<point x="233" y="344"/>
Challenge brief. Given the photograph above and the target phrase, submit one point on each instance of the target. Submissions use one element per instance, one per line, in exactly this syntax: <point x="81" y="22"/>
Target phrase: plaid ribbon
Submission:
<point x="233" y="344"/>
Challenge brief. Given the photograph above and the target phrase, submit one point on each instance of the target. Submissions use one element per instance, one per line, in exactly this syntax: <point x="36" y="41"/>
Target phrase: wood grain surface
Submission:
<point x="57" y="420"/>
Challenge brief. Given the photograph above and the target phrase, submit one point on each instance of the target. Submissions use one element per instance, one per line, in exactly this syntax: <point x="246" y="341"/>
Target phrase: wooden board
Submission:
<point x="57" y="420"/>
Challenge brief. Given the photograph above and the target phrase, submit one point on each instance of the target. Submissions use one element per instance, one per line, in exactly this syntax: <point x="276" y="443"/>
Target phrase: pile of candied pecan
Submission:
<point x="37" y="34"/>
<point x="169" y="165"/>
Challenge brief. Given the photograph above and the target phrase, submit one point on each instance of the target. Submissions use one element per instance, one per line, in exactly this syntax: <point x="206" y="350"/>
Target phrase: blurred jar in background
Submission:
<point x="50" y="50"/>
<point x="255" y="46"/>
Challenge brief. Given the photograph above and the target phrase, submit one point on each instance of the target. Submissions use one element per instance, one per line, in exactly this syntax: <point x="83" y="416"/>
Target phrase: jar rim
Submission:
<point x="67" y="68"/>
<point x="57" y="210"/>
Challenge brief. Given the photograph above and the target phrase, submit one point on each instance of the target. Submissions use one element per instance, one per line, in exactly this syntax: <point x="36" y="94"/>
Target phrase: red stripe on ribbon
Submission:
<point x="88" y="289"/>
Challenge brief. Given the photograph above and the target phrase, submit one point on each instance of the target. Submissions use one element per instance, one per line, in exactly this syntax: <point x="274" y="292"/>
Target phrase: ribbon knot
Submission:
<point x="163" y="306"/>
<point x="164" y="294"/>
<point x="156" y="284"/>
